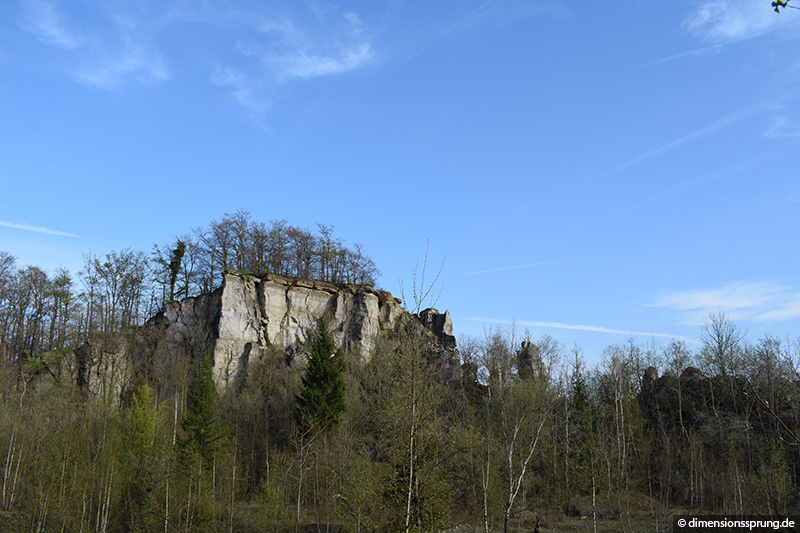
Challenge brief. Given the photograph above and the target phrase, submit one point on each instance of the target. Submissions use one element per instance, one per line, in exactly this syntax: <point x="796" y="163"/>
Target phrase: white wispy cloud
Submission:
<point x="289" y="50"/>
<point x="38" y="229"/>
<point x="105" y="56"/>
<point x="284" y="49"/>
<point x="719" y="23"/>
<point x="579" y="327"/>
<point x="307" y="65"/>
<point x="515" y="267"/>
<point x="246" y="91"/>
<point x="44" y="21"/>
<point x="782" y="128"/>
<point x="722" y="22"/>
<point x="133" y="61"/>
<point x="788" y="309"/>
<point x="761" y="301"/>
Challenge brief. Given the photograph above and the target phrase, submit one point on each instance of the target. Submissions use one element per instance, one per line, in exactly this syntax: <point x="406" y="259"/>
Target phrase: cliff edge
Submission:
<point x="250" y="317"/>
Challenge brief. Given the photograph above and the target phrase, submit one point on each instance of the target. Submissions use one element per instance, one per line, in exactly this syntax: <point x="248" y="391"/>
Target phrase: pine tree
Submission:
<point x="321" y="400"/>
<point x="320" y="403"/>
<point x="200" y="421"/>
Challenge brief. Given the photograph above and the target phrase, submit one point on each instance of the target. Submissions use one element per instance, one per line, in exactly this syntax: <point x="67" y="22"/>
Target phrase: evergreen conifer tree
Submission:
<point x="200" y="421"/>
<point x="321" y="400"/>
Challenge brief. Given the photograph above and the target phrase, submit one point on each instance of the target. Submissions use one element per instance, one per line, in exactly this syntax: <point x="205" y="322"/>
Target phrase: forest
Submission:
<point x="529" y="437"/>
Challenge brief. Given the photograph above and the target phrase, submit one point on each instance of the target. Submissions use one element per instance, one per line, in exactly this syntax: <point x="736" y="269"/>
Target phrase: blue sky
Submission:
<point x="592" y="170"/>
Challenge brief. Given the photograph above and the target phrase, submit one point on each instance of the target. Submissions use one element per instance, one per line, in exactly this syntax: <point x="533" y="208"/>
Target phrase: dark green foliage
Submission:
<point x="146" y="459"/>
<point x="321" y="400"/>
<point x="175" y="267"/>
<point x="140" y="421"/>
<point x="199" y="423"/>
<point x="580" y="390"/>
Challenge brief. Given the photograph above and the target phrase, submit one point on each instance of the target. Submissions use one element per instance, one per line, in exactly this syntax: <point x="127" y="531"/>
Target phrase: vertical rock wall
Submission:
<point x="251" y="317"/>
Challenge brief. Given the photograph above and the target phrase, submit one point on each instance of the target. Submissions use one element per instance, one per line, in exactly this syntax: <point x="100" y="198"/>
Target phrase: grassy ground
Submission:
<point x="576" y="524"/>
<point x="644" y="516"/>
<point x="250" y="518"/>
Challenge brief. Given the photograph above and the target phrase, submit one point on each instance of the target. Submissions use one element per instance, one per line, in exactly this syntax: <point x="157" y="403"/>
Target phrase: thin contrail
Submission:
<point x="37" y="229"/>
<point x="696" y="52"/>
<point x="594" y="329"/>
<point x="668" y="147"/>
<point x="515" y="267"/>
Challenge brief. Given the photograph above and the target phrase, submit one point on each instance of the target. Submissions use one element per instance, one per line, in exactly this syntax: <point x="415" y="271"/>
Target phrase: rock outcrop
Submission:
<point x="441" y="326"/>
<point x="250" y="317"/>
<point x="529" y="361"/>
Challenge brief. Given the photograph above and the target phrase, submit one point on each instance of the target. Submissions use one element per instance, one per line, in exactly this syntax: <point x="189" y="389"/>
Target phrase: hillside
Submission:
<point x="281" y="403"/>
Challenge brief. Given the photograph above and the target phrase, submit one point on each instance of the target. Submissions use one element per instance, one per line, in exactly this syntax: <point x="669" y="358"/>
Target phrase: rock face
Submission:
<point x="101" y="367"/>
<point x="257" y="313"/>
<point x="441" y="326"/>
<point x="249" y="317"/>
<point x="529" y="361"/>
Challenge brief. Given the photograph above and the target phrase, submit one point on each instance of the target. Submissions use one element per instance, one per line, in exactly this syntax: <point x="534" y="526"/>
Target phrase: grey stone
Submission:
<point x="252" y="317"/>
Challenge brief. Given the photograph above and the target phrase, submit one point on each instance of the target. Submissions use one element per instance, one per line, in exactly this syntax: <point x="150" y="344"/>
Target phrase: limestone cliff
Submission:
<point x="250" y="317"/>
